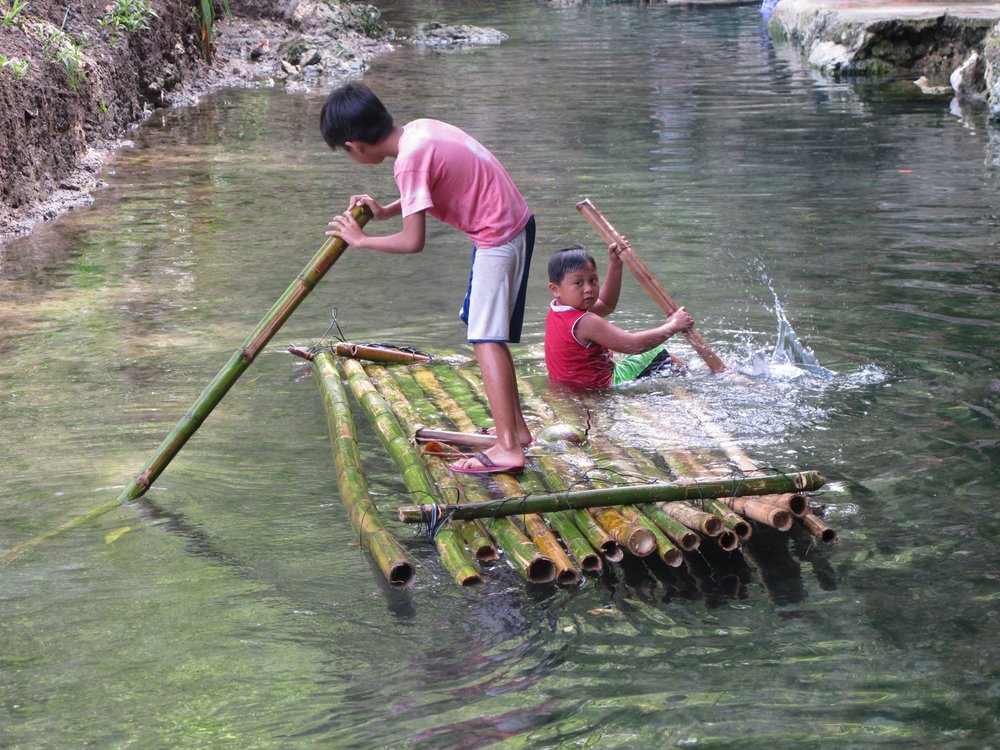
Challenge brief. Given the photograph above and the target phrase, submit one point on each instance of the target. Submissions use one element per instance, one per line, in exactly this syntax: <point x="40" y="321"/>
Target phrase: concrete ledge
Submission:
<point x="954" y="46"/>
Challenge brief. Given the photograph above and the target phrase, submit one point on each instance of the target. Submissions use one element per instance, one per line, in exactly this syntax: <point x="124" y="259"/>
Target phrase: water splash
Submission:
<point x="790" y="358"/>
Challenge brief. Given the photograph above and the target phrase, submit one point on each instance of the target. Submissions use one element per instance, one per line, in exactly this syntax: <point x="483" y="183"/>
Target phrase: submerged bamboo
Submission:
<point x="388" y="552"/>
<point x="631" y="495"/>
<point x="321" y="262"/>
<point x="645" y="277"/>
<point x="414" y="474"/>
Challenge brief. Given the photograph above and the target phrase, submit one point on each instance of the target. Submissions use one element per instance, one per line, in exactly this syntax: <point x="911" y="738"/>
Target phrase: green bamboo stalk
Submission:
<point x="575" y="539"/>
<point x="678" y="533"/>
<point x="520" y="551"/>
<point x="389" y="554"/>
<point x="321" y="262"/>
<point x="461" y="391"/>
<point x="532" y="562"/>
<point x="666" y="550"/>
<point x="662" y="492"/>
<point x="474" y="535"/>
<point x="451" y="549"/>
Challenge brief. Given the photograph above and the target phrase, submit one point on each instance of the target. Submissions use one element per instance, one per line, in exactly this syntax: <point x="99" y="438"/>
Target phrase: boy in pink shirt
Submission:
<point x="442" y="171"/>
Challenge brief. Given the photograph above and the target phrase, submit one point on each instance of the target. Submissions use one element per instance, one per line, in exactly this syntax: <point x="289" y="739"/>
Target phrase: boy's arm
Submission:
<point x="597" y="329"/>
<point x="410" y="240"/>
<point x="607" y="299"/>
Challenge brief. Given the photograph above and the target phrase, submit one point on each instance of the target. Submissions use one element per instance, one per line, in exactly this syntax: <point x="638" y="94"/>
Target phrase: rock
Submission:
<point x="991" y="74"/>
<point x="968" y="79"/>
<point x="863" y="37"/>
<point x="435" y="34"/>
<point x="926" y="87"/>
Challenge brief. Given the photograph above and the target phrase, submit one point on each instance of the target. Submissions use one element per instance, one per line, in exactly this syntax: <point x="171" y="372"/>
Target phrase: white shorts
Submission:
<point x="494" y="303"/>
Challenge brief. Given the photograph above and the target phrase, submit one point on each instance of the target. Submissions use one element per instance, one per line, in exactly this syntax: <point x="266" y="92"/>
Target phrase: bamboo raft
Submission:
<point x="582" y="503"/>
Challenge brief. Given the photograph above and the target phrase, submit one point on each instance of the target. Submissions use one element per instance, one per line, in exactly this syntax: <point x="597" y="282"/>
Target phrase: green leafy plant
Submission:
<point x="15" y="65"/>
<point x="128" y="15"/>
<point x="60" y="48"/>
<point x="206" y="9"/>
<point x="11" y="14"/>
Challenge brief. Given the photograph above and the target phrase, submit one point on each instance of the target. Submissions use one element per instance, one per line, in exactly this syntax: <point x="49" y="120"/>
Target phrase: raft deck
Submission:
<point x="583" y="502"/>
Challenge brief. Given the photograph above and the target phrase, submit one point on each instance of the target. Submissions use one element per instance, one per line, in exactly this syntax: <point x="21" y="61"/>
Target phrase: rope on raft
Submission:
<point x="318" y="347"/>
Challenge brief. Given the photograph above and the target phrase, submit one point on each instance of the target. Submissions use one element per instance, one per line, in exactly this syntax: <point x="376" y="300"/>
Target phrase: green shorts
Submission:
<point x="635" y="366"/>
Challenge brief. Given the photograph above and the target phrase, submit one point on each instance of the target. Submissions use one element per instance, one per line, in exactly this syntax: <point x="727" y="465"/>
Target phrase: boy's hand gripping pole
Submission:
<point x="610" y="235"/>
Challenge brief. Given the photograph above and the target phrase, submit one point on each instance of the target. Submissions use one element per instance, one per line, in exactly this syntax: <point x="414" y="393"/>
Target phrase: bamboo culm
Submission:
<point x="389" y="554"/>
<point x="663" y="492"/>
<point x="306" y="281"/>
<point x="451" y="548"/>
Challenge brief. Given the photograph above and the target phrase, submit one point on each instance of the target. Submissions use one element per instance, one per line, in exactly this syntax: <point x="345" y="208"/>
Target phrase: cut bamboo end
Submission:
<point x="673" y="557"/>
<point x="591" y="563"/>
<point x="612" y="551"/>
<point x="794" y="502"/>
<point x="640" y="542"/>
<point x="728" y="540"/>
<point x="541" y="570"/>
<point x="762" y="512"/>
<point x="819" y="529"/>
<point x="569" y="577"/>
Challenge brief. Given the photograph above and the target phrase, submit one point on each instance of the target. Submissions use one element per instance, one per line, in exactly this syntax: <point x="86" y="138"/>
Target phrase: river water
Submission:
<point x="835" y="241"/>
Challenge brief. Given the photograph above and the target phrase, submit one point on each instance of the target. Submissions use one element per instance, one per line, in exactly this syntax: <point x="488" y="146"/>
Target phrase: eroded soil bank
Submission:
<point x="74" y="78"/>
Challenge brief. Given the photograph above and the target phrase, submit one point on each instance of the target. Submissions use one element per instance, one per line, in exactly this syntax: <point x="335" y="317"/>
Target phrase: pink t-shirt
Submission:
<point x="448" y="173"/>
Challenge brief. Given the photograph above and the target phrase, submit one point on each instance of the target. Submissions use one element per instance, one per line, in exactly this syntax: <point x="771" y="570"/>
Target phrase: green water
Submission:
<point x="234" y="609"/>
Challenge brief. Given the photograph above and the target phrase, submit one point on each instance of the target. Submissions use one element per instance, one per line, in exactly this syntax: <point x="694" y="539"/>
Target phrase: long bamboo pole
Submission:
<point x="660" y="492"/>
<point x="440" y="384"/>
<point x="535" y="526"/>
<point x="645" y="277"/>
<point x="241" y="359"/>
<point x="474" y="535"/>
<point x="389" y="554"/>
<point x="522" y="554"/>
<point x="451" y="548"/>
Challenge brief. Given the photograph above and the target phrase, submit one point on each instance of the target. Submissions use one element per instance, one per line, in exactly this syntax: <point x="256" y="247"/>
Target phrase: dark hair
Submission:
<point x="353" y="113"/>
<point x="568" y="259"/>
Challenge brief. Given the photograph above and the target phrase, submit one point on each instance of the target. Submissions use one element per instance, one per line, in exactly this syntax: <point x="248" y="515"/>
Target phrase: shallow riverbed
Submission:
<point x="235" y="609"/>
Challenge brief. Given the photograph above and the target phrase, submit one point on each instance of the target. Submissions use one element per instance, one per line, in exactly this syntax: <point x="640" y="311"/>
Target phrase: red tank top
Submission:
<point x="568" y="361"/>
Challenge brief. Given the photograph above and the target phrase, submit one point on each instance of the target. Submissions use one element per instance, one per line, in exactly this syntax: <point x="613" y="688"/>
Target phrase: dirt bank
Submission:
<point x="75" y="77"/>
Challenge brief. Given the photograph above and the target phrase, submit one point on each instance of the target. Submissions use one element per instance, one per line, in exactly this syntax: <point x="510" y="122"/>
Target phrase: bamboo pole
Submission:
<point x="452" y="437"/>
<point x="679" y="534"/>
<point x="475" y="536"/>
<point x="661" y="492"/>
<point x="388" y="552"/>
<point x="321" y="262"/>
<point x="384" y="354"/>
<point x="448" y="391"/>
<point x="694" y="519"/>
<point x="521" y="553"/>
<point x="645" y="277"/>
<point x="819" y="528"/>
<point x="794" y="502"/>
<point x="451" y="549"/>
<point x="758" y="510"/>
<point x="553" y="477"/>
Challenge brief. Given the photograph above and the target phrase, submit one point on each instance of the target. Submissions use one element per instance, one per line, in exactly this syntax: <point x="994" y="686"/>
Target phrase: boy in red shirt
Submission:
<point x="578" y="339"/>
<point x="442" y="171"/>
